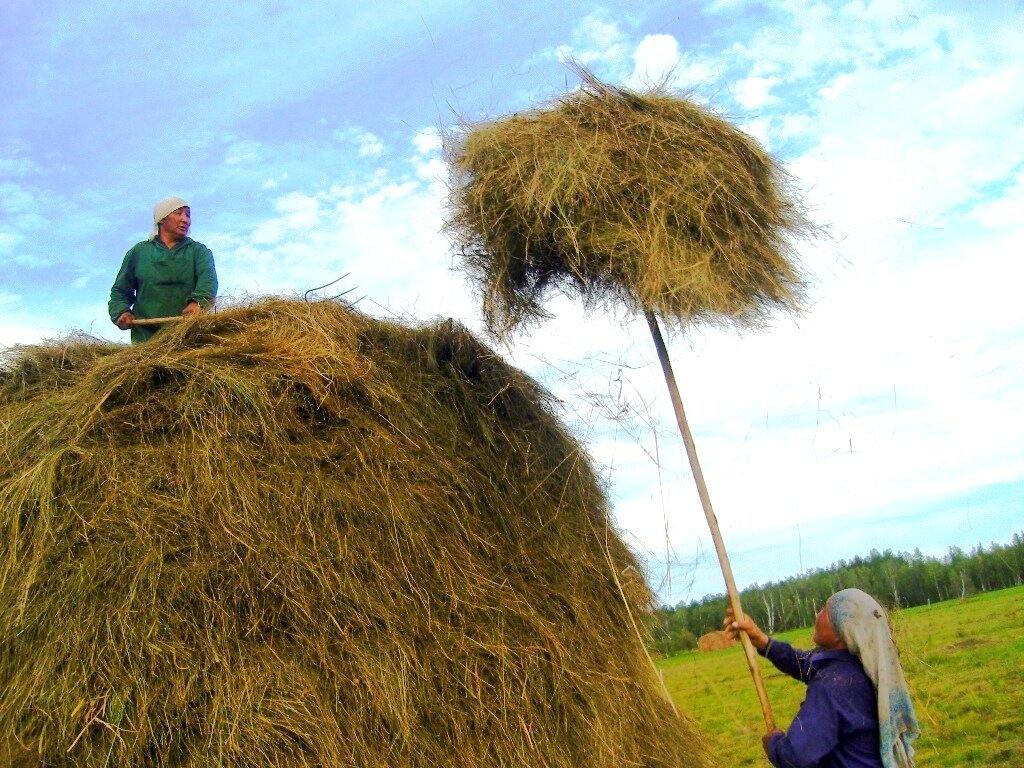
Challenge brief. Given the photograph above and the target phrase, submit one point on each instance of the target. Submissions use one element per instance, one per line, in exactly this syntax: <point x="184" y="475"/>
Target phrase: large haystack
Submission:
<point x="644" y="200"/>
<point x="292" y="535"/>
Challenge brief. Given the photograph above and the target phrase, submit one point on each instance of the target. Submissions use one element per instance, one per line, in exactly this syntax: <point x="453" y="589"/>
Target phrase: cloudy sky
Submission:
<point x="306" y="138"/>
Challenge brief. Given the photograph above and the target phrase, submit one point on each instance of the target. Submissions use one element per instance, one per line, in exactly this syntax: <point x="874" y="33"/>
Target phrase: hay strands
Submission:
<point x="307" y="296"/>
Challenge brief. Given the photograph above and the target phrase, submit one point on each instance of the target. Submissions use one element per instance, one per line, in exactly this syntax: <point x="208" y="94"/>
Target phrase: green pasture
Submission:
<point x="964" y="661"/>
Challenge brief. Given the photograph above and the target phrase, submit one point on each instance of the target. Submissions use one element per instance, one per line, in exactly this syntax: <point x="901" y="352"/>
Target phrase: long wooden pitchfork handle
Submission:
<point x="705" y="500"/>
<point x="159" y="320"/>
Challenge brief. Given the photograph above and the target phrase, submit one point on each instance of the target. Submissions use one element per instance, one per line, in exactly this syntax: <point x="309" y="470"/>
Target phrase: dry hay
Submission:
<point x="292" y="535"/>
<point x="715" y="640"/>
<point x="614" y="196"/>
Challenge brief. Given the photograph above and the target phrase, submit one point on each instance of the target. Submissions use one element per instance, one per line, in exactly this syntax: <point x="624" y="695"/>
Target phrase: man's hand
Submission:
<point x="192" y="308"/>
<point x="125" y="321"/>
<point x="732" y="627"/>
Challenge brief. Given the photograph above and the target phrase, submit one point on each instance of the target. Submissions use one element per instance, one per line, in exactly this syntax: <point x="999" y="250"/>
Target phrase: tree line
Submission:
<point x="900" y="580"/>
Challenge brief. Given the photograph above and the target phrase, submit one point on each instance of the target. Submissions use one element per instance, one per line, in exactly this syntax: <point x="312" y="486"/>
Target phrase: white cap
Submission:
<point x="162" y="209"/>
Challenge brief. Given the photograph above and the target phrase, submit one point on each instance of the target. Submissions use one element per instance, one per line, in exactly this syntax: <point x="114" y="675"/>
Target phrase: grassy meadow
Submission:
<point x="964" y="661"/>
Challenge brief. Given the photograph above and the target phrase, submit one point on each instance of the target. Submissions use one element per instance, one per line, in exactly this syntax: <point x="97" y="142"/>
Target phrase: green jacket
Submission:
<point x="155" y="281"/>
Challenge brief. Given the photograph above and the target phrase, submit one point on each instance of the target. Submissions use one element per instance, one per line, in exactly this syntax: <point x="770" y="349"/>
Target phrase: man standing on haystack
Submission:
<point x="169" y="274"/>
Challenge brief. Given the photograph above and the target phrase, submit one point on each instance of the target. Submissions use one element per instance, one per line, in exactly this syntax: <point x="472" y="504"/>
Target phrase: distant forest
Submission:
<point x="899" y="580"/>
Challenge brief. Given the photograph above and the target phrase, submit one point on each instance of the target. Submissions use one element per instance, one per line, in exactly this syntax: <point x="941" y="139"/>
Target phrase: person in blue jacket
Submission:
<point x="857" y="712"/>
<point x="165" y="275"/>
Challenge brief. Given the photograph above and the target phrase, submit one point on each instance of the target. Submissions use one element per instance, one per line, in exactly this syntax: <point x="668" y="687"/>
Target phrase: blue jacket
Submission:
<point x="837" y="725"/>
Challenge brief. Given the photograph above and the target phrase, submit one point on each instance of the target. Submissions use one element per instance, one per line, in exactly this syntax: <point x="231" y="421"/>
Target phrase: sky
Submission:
<point x="307" y="139"/>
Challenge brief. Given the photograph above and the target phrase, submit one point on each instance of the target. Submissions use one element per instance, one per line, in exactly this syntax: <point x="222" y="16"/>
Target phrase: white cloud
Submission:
<point x="789" y="126"/>
<point x="983" y="91"/>
<point x="242" y="152"/>
<point x="717" y="6"/>
<point x="17" y="167"/>
<point x="12" y="334"/>
<point x="26" y="224"/>
<point x="598" y="33"/>
<point x="1005" y="209"/>
<point x="755" y="92"/>
<point x="427" y="140"/>
<point x="298" y="212"/>
<point x="432" y="169"/>
<point x="366" y="143"/>
<point x="602" y="45"/>
<point x="32" y="261"/>
<point x="596" y="41"/>
<point x="13" y="331"/>
<point x="16" y="199"/>
<point x="654" y="60"/>
<point x="9" y="240"/>
<point x="908" y="158"/>
<point x="15" y="159"/>
<point x="383" y="231"/>
<point x="694" y="74"/>
<point x="759" y="128"/>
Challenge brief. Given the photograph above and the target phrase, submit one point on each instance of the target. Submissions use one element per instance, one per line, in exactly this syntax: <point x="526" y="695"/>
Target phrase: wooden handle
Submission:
<point x="158" y="320"/>
<point x="716" y="533"/>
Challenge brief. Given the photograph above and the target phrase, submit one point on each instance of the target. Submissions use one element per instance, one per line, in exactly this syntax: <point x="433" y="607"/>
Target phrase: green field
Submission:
<point x="964" y="661"/>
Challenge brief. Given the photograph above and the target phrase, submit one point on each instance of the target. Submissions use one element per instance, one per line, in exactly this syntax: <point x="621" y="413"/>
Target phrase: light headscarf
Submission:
<point x="162" y="210"/>
<point x="860" y="622"/>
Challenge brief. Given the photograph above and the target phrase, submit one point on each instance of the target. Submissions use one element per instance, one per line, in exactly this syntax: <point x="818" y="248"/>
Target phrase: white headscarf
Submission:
<point x="161" y="210"/>
<point x="860" y="622"/>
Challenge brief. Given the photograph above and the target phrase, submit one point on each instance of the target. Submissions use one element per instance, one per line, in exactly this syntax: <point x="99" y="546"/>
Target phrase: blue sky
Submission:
<point x="306" y="138"/>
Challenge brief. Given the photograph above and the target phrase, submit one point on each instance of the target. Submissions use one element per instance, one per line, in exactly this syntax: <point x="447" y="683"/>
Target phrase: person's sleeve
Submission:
<point x="206" y="278"/>
<point x="813" y="734"/>
<point x="123" y="291"/>
<point x="786" y="658"/>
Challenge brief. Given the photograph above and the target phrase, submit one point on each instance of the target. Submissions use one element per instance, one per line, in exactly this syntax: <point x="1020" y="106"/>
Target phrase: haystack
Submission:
<point x="646" y="200"/>
<point x="292" y="535"/>
<point x="716" y="640"/>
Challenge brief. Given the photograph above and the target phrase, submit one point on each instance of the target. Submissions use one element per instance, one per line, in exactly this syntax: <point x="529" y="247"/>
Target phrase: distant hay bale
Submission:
<point x="292" y="535"/>
<point x="714" y="641"/>
<point x="614" y="196"/>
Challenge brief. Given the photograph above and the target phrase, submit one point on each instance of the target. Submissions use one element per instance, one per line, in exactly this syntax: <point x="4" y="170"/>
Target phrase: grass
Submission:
<point x="964" y="661"/>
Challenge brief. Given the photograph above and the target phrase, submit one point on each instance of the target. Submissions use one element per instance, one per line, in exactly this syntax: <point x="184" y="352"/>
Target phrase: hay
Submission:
<point x="716" y="640"/>
<point x="293" y="535"/>
<point x="647" y="200"/>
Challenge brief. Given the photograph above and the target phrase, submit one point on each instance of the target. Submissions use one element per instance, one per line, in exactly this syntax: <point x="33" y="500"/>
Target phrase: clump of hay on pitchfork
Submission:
<point x="645" y="200"/>
<point x="642" y="200"/>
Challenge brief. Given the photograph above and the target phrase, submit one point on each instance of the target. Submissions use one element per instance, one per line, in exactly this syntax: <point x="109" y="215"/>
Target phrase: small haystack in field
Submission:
<point x="648" y="200"/>
<point x="293" y="535"/>
<point x="714" y="641"/>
